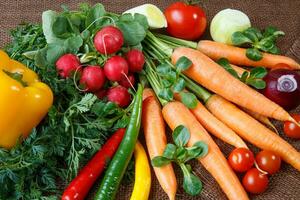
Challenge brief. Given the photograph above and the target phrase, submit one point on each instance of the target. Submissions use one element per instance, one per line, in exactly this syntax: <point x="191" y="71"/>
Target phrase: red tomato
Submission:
<point x="291" y="129"/>
<point x="268" y="161"/>
<point x="255" y="182"/>
<point x="185" y="21"/>
<point x="241" y="159"/>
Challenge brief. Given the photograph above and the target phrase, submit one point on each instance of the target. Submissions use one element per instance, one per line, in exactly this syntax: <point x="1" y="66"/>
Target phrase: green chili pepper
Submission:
<point x="118" y="165"/>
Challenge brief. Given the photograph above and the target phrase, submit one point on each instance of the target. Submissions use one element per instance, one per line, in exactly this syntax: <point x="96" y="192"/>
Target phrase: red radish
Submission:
<point x="66" y="64"/>
<point x="127" y="82"/>
<point x="135" y="59"/>
<point x="108" y="40"/>
<point x="92" y="78"/>
<point x="283" y="87"/>
<point x="119" y="95"/>
<point x="101" y="93"/>
<point x="115" y="68"/>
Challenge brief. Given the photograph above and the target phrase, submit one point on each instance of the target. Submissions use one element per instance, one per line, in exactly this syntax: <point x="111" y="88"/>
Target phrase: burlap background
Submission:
<point x="281" y="13"/>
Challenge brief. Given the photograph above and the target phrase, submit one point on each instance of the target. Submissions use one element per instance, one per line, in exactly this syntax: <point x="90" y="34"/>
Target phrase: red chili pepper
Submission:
<point x="80" y="186"/>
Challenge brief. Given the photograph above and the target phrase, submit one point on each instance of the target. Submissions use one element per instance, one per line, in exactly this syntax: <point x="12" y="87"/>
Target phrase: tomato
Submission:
<point x="268" y="161"/>
<point x="241" y="159"/>
<point x="255" y="182"/>
<point x="291" y="129"/>
<point x="185" y="21"/>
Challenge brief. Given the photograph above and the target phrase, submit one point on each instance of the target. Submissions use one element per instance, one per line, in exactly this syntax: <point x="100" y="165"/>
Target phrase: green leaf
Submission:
<point x="181" y="154"/>
<point x="166" y="93"/>
<point x="258" y="72"/>
<point x="257" y="83"/>
<point x="181" y="136"/>
<point x="142" y="20"/>
<point x="271" y="30"/>
<point x="179" y="85"/>
<point x="171" y="76"/>
<point x="226" y="65"/>
<point x="160" y="161"/>
<point x="132" y="30"/>
<point x="254" y="54"/>
<point x="94" y="16"/>
<point x="183" y="63"/>
<point x="170" y="151"/>
<point x="188" y="99"/>
<point x="191" y="183"/>
<point x="61" y="27"/>
<point x="274" y="50"/>
<point x="238" y="39"/>
<point x="165" y="83"/>
<point x="48" y="18"/>
<point x="163" y="69"/>
<point x="201" y="149"/>
<point x="244" y="76"/>
<point x="253" y="34"/>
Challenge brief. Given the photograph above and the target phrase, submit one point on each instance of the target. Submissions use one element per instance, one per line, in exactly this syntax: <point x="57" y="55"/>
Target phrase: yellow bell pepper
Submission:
<point x="142" y="182"/>
<point x="23" y="104"/>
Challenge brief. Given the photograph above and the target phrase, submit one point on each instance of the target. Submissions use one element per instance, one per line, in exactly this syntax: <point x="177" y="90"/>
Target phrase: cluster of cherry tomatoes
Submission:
<point x="256" y="178"/>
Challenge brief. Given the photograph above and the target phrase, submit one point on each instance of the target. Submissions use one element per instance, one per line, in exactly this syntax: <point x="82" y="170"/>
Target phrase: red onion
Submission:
<point x="283" y="87"/>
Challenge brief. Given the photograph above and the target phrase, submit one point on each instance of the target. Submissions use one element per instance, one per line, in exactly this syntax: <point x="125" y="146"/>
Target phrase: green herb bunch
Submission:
<point x="257" y="41"/>
<point x="180" y="154"/>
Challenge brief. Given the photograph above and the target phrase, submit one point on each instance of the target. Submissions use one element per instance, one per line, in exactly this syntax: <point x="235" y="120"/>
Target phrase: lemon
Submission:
<point x="154" y="15"/>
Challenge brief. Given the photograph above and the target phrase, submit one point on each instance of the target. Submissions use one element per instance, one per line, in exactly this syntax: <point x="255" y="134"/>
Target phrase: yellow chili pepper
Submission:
<point x="23" y="103"/>
<point x="142" y="182"/>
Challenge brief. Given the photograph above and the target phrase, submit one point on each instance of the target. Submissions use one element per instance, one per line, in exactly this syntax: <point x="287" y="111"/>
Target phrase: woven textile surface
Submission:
<point x="283" y="14"/>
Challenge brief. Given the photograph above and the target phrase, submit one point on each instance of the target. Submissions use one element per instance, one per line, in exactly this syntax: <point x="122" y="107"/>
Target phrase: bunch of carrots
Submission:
<point x="218" y="113"/>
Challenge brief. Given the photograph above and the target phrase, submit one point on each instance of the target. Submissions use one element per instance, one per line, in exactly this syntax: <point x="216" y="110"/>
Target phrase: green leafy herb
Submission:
<point x="257" y="41"/>
<point x="173" y="83"/>
<point x="253" y="78"/>
<point x="180" y="154"/>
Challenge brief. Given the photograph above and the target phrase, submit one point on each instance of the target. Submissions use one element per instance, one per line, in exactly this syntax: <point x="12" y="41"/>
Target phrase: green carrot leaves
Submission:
<point x="181" y="154"/>
<point x="257" y="41"/>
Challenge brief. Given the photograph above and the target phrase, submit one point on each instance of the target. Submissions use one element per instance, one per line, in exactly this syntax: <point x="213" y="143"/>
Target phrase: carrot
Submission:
<point x="175" y="114"/>
<point x="252" y="131"/>
<point x="212" y="76"/>
<point x="154" y="130"/>
<point x="215" y="126"/>
<point x="261" y="118"/>
<point x="147" y="92"/>
<point x="237" y="55"/>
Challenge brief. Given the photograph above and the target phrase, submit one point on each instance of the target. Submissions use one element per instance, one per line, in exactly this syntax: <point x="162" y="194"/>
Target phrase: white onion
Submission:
<point x="226" y="22"/>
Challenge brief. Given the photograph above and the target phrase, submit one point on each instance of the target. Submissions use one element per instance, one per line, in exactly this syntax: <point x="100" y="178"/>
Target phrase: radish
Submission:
<point x="67" y="64"/>
<point x="92" y="78"/>
<point x="119" y="95"/>
<point x="135" y="59"/>
<point x="115" y="68"/>
<point x="127" y="82"/>
<point x="108" y="40"/>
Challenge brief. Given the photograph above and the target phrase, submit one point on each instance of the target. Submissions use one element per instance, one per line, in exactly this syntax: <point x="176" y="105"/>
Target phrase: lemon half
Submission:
<point x="154" y="15"/>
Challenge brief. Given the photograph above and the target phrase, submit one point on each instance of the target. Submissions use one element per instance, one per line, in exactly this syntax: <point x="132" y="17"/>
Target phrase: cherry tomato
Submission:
<point x="255" y="182"/>
<point x="268" y="161"/>
<point x="241" y="159"/>
<point x="185" y="21"/>
<point x="291" y="129"/>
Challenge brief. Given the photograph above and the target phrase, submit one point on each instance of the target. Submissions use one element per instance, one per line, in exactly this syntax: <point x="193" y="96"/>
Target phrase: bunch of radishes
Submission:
<point x="108" y="41"/>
